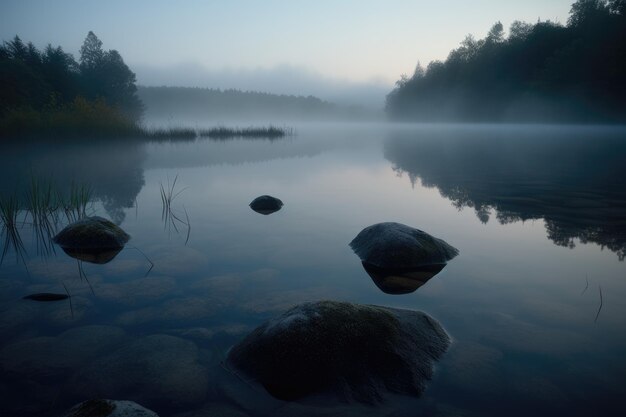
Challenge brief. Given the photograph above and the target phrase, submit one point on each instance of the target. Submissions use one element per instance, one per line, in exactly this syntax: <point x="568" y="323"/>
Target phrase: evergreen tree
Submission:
<point x="91" y="52"/>
<point x="105" y="76"/>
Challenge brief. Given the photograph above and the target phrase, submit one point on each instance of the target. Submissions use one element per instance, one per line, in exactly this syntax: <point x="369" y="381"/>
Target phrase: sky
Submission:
<point x="331" y="43"/>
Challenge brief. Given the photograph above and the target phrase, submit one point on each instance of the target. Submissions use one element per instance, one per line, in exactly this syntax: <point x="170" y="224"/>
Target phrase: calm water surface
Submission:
<point x="537" y="212"/>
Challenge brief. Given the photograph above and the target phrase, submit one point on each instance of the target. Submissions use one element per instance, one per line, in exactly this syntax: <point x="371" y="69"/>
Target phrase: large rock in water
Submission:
<point x="352" y="351"/>
<point x="395" y="245"/>
<point x="109" y="408"/>
<point x="266" y="204"/>
<point x="92" y="239"/>
<point x="92" y="233"/>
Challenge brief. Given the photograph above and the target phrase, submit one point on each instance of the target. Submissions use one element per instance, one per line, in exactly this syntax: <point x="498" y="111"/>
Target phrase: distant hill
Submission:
<point x="215" y="105"/>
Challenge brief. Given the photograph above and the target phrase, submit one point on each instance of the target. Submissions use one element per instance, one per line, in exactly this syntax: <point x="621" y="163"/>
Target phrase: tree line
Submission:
<point x="540" y="72"/>
<point x="51" y="80"/>
<point x="193" y="103"/>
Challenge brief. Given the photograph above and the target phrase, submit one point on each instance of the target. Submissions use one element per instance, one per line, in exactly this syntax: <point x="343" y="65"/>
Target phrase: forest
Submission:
<point x="541" y="72"/>
<point x="193" y="104"/>
<point x="47" y="90"/>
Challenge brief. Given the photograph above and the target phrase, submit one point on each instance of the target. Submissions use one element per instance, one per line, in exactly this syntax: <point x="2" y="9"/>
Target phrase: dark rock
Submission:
<point x="266" y="204"/>
<point x="395" y="245"/>
<point x="92" y="233"/>
<point x="109" y="408"/>
<point x="351" y="351"/>
<point x="46" y="296"/>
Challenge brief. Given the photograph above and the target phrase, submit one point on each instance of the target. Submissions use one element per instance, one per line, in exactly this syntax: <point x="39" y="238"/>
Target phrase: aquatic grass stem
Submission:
<point x="170" y="219"/>
<point x="9" y="211"/>
<point x="601" y="303"/>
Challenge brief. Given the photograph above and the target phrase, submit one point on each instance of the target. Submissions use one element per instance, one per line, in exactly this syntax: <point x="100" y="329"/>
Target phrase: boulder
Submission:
<point x="109" y="408"/>
<point x="91" y="234"/>
<point x="395" y="245"/>
<point x="350" y="351"/>
<point x="266" y="204"/>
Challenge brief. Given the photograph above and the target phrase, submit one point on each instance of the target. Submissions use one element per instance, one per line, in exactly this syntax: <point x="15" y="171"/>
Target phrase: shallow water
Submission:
<point x="537" y="212"/>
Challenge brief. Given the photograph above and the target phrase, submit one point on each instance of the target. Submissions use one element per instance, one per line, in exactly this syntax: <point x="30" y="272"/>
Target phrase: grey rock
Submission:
<point x="92" y="233"/>
<point x="351" y="351"/>
<point x="395" y="245"/>
<point x="109" y="408"/>
<point x="266" y="204"/>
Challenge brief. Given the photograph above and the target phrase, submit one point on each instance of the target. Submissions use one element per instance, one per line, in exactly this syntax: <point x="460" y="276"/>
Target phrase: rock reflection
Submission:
<point x="98" y="256"/>
<point x="397" y="281"/>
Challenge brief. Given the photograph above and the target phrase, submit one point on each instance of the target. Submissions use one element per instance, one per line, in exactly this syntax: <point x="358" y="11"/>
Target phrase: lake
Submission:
<point x="534" y="303"/>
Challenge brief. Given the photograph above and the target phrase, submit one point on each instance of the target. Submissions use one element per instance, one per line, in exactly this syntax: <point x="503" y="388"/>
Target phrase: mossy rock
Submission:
<point x="351" y="351"/>
<point x="395" y="245"/>
<point x="92" y="233"/>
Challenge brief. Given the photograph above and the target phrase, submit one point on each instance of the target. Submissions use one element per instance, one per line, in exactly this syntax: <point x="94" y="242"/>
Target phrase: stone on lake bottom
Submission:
<point x="109" y="408"/>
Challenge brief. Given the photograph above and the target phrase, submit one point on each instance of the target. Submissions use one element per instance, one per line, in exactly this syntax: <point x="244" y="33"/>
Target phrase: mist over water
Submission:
<point x="530" y="208"/>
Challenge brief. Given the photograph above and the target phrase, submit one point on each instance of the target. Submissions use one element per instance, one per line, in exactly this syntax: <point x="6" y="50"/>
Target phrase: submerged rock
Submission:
<point x="266" y="204"/>
<point x="354" y="352"/>
<point x="50" y="358"/>
<point x="91" y="234"/>
<point x="397" y="281"/>
<point x="395" y="245"/>
<point x="109" y="408"/>
<point x="157" y="370"/>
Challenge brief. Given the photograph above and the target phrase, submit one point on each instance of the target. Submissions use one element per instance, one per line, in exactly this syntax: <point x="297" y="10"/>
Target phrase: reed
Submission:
<point x="269" y="132"/>
<point x="42" y="207"/>
<point x="169" y="217"/>
<point x="9" y="212"/>
<point x="600" y="306"/>
<point x="75" y="204"/>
